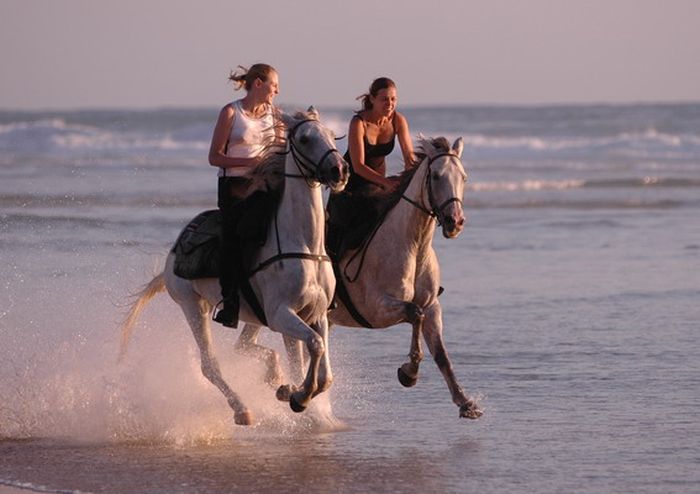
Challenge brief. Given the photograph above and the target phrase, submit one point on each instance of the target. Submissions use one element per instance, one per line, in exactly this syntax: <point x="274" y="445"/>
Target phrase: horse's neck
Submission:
<point x="300" y="215"/>
<point x="410" y="225"/>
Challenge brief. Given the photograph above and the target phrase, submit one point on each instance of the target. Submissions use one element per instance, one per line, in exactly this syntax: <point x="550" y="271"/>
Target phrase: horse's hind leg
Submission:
<point x="296" y="358"/>
<point x="198" y="318"/>
<point x="408" y="372"/>
<point x="432" y="332"/>
<point x="247" y="343"/>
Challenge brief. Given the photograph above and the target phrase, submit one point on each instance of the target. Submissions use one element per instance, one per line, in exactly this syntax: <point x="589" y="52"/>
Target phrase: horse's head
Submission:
<point x="445" y="181"/>
<point x="313" y="147"/>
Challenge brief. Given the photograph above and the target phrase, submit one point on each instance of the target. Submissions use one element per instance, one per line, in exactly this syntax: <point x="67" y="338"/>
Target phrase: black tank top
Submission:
<point x="378" y="150"/>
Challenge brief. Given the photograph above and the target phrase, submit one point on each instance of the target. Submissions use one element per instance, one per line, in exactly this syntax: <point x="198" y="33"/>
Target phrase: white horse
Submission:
<point x="394" y="276"/>
<point x="293" y="281"/>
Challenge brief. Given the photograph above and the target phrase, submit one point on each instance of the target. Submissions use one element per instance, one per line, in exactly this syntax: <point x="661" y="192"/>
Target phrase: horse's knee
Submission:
<point x="316" y="346"/>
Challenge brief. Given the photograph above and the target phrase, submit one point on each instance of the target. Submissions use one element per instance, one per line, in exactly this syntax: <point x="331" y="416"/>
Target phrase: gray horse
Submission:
<point x="294" y="282"/>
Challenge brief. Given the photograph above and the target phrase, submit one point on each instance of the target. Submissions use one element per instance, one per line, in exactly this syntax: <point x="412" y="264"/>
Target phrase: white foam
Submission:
<point x="525" y="185"/>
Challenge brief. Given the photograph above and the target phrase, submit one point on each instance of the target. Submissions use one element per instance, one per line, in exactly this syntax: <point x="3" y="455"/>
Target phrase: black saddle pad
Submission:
<point x="197" y="247"/>
<point x="353" y="216"/>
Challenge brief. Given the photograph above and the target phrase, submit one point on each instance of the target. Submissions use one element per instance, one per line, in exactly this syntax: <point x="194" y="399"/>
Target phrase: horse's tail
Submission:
<point x="154" y="287"/>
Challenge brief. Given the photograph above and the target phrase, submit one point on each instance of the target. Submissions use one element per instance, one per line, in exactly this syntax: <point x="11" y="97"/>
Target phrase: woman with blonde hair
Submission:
<point x="243" y="129"/>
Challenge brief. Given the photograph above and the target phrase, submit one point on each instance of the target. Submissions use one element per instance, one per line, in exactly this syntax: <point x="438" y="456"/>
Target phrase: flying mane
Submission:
<point x="269" y="174"/>
<point x="427" y="148"/>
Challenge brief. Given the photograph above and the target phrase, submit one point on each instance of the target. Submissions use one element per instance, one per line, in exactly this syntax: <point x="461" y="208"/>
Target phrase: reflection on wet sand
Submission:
<point x="316" y="463"/>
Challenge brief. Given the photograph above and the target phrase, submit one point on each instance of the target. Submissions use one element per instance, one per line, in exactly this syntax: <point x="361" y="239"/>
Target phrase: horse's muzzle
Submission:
<point x="452" y="225"/>
<point x="337" y="175"/>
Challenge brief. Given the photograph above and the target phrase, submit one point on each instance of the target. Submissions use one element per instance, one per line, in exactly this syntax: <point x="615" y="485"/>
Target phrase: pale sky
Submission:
<point x="172" y="53"/>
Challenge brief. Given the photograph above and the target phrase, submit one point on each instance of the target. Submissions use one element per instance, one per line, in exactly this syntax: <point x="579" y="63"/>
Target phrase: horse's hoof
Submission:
<point x="285" y="391"/>
<point x="295" y="405"/>
<point x="245" y="418"/>
<point x="406" y="380"/>
<point x="470" y="410"/>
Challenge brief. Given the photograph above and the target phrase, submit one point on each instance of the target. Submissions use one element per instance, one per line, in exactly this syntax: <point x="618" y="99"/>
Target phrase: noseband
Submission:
<point x="437" y="212"/>
<point x="302" y="161"/>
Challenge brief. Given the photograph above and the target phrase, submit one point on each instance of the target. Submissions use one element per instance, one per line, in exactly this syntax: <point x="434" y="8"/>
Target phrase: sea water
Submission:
<point x="571" y="311"/>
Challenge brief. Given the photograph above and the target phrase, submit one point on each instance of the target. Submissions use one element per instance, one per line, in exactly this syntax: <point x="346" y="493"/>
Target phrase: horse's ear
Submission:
<point x="313" y="112"/>
<point x="458" y="147"/>
<point x="287" y="119"/>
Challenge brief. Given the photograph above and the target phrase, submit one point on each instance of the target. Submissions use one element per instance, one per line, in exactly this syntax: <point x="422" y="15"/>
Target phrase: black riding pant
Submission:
<point x="243" y="227"/>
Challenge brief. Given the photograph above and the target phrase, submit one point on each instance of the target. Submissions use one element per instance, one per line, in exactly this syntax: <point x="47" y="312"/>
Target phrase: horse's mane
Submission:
<point x="269" y="174"/>
<point x="427" y="147"/>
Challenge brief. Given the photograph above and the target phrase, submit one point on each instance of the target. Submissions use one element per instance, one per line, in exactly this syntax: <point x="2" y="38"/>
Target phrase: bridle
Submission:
<point x="303" y="162"/>
<point x="437" y="212"/>
<point x="313" y="179"/>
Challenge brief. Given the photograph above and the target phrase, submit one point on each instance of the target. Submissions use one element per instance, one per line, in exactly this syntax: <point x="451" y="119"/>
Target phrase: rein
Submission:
<point x="313" y="168"/>
<point x="303" y="162"/>
<point x="437" y="212"/>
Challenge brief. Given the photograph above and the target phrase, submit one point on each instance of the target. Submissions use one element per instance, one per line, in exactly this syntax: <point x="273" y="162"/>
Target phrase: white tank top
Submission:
<point x="247" y="137"/>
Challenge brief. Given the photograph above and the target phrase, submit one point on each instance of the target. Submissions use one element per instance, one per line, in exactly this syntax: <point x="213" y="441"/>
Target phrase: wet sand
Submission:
<point x="6" y="489"/>
<point x="303" y="464"/>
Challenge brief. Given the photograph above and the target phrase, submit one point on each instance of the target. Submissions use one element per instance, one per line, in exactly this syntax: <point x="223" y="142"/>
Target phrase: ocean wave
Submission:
<point x="59" y="135"/>
<point x="583" y="204"/>
<point x="648" y="143"/>
<point x="56" y="134"/>
<point x="525" y="185"/>
<point x="534" y="185"/>
<point x="104" y="200"/>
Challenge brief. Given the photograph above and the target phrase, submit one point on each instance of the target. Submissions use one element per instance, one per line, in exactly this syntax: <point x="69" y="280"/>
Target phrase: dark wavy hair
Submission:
<point x="377" y="85"/>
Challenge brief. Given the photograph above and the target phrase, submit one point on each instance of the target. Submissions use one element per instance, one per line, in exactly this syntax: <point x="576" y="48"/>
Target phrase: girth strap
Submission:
<point x="342" y="292"/>
<point x="290" y="255"/>
<point x="247" y="289"/>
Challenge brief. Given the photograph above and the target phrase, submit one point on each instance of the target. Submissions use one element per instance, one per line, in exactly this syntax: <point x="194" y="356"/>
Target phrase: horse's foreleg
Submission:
<point x="408" y="372"/>
<point x="325" y="374"/>
<point x="198" y="319"/>
<point x="247" y="343"/>
<point x="287" y="322"/>
<point x="432" y="332"/>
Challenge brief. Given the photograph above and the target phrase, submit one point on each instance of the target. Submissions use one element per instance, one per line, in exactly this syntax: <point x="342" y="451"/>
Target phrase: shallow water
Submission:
<point x="571" y="311"/>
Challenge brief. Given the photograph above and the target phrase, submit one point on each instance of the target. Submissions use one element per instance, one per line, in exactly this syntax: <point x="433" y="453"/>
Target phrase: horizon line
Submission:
<point x="336" y="107"/>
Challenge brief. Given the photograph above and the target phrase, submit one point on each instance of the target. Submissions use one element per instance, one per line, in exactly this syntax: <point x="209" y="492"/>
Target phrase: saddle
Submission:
<point x="352" y="218"/>
<point x="197" y="248"/>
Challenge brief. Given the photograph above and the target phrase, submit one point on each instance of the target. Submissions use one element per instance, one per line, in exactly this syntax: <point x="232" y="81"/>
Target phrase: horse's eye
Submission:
<point x="435" y="176"/>
<point x="303" y="139"/>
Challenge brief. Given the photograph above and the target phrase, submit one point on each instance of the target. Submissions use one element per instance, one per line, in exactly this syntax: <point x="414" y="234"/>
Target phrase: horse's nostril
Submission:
<point x="460" y="222"/>
<point x="335" y="173"/>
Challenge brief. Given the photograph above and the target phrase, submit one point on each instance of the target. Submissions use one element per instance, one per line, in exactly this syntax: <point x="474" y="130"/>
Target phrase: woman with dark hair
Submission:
<point x="242" y="130"/>
<point x="371" y="137"/>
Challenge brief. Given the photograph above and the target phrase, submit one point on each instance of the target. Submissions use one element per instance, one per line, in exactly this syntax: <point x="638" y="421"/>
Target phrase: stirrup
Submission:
<point x="219" y="315"/>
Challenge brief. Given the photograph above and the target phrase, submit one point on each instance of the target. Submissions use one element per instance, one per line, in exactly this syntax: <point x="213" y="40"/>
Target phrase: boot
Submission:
<point x="228" y="315"/>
